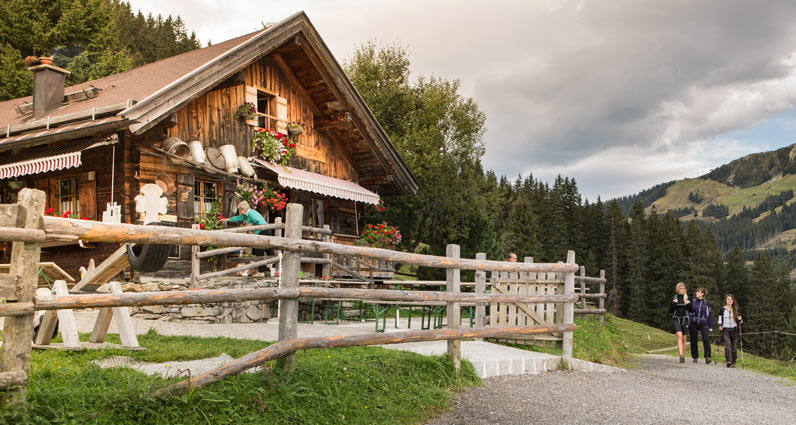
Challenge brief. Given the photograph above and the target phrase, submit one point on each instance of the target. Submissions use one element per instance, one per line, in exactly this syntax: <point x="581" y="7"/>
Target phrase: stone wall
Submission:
<point x="229" y="312"/>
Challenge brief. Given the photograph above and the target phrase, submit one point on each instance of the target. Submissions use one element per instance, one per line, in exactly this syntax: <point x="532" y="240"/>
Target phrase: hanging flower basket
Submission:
<point x="380" y="236"/>
<point x="272" y="146"/>
<point x="247" y="111"/>
<point x="295" y="128"/>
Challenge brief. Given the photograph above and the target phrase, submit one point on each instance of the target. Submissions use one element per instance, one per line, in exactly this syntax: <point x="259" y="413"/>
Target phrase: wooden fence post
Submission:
<point x="291" y="263"/>
<point x="327" y="268"/>
<point x="195" y="263"/>
<point x="18" y="330"/>
<point x="601" y="304"/>
<point x="569" y="313"/>
<point x="583" y="292"/>
<point x="453" y="278"/>
<point x="480" y="288"/>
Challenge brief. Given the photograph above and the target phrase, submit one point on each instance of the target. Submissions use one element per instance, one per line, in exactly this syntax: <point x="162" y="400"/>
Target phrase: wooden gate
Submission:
<point x="510" y="314"/>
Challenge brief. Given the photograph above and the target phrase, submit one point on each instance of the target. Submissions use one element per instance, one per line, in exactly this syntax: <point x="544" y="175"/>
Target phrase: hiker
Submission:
<point x="512" y="258"/>
<point x="729" y="320"/>
<point x="680" y="307"/>
<point x="701" y="321"/>
<point x="251" y="217"/>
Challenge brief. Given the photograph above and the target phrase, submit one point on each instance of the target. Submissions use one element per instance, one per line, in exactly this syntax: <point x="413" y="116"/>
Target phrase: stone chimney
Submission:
<point x="48" y="89"/>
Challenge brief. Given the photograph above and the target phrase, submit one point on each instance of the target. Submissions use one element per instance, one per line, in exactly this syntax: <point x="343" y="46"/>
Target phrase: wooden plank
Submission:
<point x="10" y="216"/>
<point x="25" y="257"/>
<point x="105" y="232"/>
<point x="8" y="287"/>
<point x="453" y="278"/>
<point x="66" y="319"/>
<point x="500" y="289"/>
<point x="569" y="315"/>
<point x="280" y="62"/>
<point x="48" y="322"/>
<point x="109" y="268"/>
<point x="601" y="302"/>
<point x="480" y="288"/>
<point x="229" y="295"/>
<point x="291" y="265"/>
<point x="121" y="316"/>
<point x="513" y="290"/>
<point x="101" y="326"/>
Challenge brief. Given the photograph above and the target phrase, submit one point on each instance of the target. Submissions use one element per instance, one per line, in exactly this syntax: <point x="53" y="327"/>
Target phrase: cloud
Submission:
<point x="612" y="93"/>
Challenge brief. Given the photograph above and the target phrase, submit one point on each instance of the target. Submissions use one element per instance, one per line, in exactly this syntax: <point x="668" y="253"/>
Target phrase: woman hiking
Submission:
<point x="701" y="321"/>
<point x="729" y="320"/>
<point x="680" y="307"/>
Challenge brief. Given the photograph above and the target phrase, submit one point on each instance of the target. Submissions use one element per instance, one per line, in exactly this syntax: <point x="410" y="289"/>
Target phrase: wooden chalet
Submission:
<point x="97" y="143"/>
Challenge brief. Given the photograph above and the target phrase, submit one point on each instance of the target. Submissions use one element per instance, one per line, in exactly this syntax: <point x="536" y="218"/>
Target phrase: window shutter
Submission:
<point x="54" y="191"/>
<point x="87" y="195"/>
<point x="281" y="114"/>
<point x="250" y="95"/>
<point x="185" y="197"/>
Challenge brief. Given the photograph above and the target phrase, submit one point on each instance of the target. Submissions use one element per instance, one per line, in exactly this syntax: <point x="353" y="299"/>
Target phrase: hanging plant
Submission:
<point x="381" y="236"/>
<point x="272" y="146"/>
<point x="375" y="209"/>
<point x="295" y="128"/>
<point x="246" y="111"/>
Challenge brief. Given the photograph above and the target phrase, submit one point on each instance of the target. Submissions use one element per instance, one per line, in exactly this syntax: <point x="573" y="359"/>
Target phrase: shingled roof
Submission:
<point x="154" y="91"/>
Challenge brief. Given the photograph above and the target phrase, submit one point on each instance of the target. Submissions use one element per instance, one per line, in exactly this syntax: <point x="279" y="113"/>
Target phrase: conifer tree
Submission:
<point x="617" y="242"/>
<point x="636" y="293"/>
<point x="737" y="281"/>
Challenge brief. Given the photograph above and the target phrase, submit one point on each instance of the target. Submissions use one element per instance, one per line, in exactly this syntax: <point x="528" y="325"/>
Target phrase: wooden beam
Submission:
<point x="280" y="62"/>
<point x="94" y="231"/>
<point x="18" y="330"/>
<point x="109" y="268"/>
<point x="129" y="299"/>
<point x="291" y="266"/>
<point x="237" y="79"/>
<point x="282" y="348"/>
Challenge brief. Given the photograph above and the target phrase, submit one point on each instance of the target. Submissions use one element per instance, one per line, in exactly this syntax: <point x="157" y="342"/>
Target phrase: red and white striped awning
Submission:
<point x="40" y="165"/>
<point x="49" y="158"/>
<point x="317" y="183"/>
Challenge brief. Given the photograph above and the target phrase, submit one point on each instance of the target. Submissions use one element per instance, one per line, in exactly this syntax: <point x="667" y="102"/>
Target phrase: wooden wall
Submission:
<point x="211" y="119"/>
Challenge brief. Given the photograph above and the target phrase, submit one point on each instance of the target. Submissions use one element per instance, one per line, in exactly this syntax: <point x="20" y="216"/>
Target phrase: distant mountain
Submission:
<point x="756" y="169"/>
<point x="747" y="182"/>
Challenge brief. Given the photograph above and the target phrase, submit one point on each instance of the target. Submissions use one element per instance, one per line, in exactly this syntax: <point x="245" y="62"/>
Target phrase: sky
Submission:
<point x="620" y="94"/>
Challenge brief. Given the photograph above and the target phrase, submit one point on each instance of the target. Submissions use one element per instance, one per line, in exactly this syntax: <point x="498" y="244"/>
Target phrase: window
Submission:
<point x="205" y="194"/>
<point x="265" y="115"/>
<point x="68" y="196"/>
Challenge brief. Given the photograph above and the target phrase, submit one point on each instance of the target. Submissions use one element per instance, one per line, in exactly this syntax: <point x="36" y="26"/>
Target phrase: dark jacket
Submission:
<point x="703" y="314"/>
<point x="679" y="307"/>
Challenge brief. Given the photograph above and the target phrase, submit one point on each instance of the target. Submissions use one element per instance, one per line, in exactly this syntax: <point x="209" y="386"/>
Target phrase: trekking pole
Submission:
<point x="740" y="341"/>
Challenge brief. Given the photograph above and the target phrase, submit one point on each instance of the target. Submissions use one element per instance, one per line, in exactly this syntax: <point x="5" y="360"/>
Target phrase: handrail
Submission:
<point x="92" y="231"/>
<point x="128" y="299"/>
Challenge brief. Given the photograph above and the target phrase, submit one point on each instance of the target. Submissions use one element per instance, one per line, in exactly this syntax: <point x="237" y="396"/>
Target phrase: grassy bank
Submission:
<point x="352" y="385"/>
<point x="641" y="339"/>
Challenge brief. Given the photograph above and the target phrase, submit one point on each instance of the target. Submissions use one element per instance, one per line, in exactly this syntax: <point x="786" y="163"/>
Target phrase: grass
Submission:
<point x="350" y="385"/>
<point x="594" y="342"/>
<point x="718" y="193"/>
<point x="641" y="339"/>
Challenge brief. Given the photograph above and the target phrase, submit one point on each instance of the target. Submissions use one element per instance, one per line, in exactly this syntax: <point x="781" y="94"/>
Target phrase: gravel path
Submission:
<point x="660" y="390"/>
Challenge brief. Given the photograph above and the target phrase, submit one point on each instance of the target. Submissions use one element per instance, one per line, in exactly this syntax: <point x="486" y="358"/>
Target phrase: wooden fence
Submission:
<point x="24" y="224"/>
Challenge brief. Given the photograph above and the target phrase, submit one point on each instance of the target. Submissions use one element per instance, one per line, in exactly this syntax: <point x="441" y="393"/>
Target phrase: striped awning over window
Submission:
<point x="40" y="165"/>
<point x="317" y="183"/>
<point x="49" y="158"/>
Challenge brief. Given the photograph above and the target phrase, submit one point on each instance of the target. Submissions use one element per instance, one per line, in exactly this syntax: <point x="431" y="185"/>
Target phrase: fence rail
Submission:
<point x="25" y="257"/>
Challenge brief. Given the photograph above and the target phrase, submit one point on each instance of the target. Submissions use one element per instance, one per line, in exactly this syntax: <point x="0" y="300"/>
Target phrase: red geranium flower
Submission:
<point x="201" y="226"/>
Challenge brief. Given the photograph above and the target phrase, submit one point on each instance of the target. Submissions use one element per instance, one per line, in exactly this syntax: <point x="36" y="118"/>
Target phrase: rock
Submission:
<point x="131" y="287"/>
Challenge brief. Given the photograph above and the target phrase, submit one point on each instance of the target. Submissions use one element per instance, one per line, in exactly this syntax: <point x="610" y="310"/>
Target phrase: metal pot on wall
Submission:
<point x="198" y="152"/>
<point x="245" y="168"/>
<point x="215" y="158"/>
<point x="175" y="146"/>
<point x="231" y="157"/>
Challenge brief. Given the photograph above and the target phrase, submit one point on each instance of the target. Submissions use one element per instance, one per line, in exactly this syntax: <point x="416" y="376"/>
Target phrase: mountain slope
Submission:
<point x="756" y="169"/>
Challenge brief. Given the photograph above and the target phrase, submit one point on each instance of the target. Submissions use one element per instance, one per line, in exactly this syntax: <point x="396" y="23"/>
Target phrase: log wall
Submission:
<point x="210" y="119"/>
